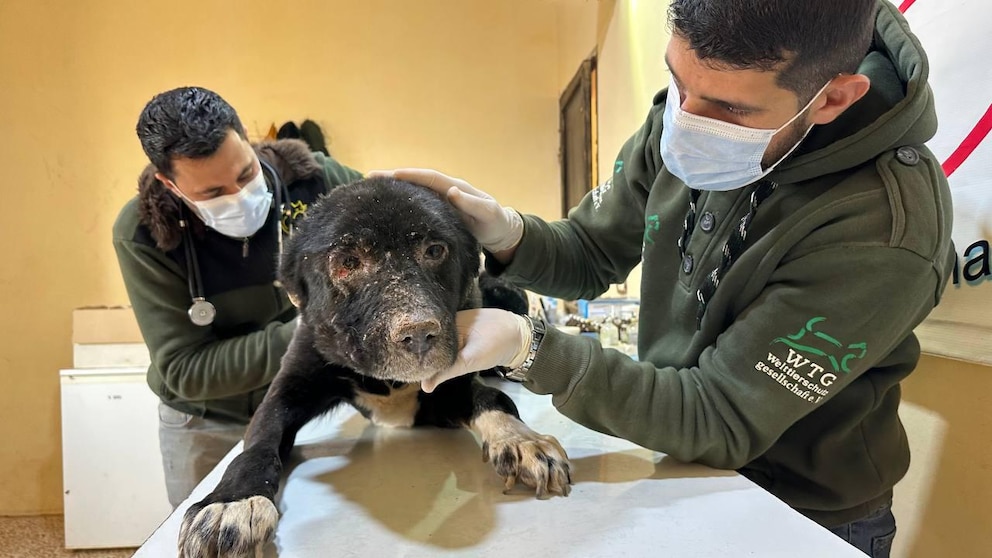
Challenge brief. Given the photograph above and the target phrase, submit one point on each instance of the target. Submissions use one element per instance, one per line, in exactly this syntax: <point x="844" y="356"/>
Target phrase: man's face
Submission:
<point x="233" y="165"/>
<point x="748" y="98"/>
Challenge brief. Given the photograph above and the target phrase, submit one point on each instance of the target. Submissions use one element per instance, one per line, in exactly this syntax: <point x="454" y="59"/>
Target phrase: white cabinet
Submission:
<point x="114" y="488"/>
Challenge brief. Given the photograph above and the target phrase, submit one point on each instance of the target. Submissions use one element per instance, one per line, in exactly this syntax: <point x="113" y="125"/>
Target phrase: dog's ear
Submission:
<point x="291" y="275"/>
<point x="474" y="261"/>
<point x="500" y="293"/>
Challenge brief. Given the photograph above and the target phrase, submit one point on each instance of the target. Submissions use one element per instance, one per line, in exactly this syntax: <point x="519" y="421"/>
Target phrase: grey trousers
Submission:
<point x="191" y="447"/>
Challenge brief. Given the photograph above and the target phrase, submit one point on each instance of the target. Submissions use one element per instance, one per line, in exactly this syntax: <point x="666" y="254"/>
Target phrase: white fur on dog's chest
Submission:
<point x="398" y="409"/>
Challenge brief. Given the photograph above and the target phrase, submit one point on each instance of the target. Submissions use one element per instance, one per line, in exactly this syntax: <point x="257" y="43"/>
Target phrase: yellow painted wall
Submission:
<point x="467" y="86"/>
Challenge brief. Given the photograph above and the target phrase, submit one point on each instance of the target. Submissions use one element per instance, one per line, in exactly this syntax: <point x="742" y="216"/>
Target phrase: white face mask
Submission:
<point x="237" y="215"/>
<point x="710" y="154"/>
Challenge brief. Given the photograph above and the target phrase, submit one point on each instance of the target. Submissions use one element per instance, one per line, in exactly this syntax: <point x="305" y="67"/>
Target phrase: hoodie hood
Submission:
<point x="899" y="105"/>
<point x="158" y="208"/>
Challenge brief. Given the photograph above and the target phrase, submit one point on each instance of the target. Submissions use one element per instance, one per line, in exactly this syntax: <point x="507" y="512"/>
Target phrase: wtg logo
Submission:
<point x="799" y="374"/>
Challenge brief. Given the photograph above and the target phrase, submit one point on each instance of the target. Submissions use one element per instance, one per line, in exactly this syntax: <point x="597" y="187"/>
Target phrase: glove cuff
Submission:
<point x="526" y="333"/>
<point x="514" y="232"/>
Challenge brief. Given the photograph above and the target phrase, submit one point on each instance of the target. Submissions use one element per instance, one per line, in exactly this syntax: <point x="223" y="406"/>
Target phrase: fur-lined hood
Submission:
<point x="158" y="209"/>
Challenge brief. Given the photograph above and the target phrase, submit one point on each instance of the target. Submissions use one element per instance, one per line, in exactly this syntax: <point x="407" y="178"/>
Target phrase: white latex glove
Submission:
<point x="496" y="227"/>
<point x="488" y="337"/>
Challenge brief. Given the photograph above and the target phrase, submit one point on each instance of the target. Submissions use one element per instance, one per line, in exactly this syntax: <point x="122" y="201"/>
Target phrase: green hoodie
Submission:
<point x="221" y="370"/>
<point x="792" y="375"/>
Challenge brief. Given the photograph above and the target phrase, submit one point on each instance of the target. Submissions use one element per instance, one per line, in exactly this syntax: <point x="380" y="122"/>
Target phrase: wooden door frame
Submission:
<point x="582" y="83"/>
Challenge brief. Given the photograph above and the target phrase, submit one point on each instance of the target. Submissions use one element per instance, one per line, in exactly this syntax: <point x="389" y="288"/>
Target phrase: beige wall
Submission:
<point x="576" y="25"/>
<point x="632" y="69"/>
<point x="467" y="86"/>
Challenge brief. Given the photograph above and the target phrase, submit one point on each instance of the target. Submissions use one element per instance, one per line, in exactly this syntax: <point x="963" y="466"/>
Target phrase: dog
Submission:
<point x="378" y="268"/>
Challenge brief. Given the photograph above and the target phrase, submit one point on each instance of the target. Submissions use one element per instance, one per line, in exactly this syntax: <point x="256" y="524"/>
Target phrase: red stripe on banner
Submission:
<point x="970" y="142"/>
<point x="905" y="5"/>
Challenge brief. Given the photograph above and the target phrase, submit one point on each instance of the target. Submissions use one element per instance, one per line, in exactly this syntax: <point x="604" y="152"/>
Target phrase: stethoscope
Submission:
<point x="201" y="311"/>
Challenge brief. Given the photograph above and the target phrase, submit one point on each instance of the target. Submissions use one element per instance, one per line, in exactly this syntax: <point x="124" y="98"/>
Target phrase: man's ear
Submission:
<point x="168" y="183"/>
<point x="843" y="91"/>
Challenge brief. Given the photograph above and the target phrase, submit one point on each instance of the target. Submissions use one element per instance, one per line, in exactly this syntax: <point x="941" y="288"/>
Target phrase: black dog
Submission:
<point x="378" y="269"/>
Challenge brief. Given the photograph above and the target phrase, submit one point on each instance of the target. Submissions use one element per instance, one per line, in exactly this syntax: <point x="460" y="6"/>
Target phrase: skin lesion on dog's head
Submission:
<point x="378" y="269"/>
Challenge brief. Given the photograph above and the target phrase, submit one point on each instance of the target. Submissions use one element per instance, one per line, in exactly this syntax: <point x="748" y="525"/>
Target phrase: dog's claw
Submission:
<point x="539" y="462"/>
<point x="227" y="529"/>
<point x="511" y="481"/>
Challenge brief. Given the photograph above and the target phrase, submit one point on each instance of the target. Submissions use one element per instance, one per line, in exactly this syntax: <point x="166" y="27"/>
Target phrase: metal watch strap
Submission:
<point x="519" y="374"/>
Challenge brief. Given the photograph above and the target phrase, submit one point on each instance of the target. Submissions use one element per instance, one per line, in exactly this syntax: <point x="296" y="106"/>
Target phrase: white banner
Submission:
<point x="957" y="39"/>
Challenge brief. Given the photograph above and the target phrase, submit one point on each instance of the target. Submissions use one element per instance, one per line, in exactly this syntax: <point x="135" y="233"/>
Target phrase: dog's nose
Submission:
<point x="419" y="337"/>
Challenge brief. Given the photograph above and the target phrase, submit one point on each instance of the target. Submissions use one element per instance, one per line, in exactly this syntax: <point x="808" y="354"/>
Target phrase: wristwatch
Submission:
<point x="519" y="374"/>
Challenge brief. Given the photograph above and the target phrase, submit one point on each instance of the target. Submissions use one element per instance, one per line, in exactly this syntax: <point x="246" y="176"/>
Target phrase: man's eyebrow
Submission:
<point x="215" y="187"/>
<point x="247" y="169"/>
<point x="743" y="107"/>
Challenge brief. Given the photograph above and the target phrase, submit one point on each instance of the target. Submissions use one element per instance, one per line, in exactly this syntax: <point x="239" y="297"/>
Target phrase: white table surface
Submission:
<point x="357" y="490"/>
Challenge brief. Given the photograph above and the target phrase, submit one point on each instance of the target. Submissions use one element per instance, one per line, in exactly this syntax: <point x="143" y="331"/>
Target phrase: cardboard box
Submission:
<point x="105" y="324"/>
<point x="110" y="355"/>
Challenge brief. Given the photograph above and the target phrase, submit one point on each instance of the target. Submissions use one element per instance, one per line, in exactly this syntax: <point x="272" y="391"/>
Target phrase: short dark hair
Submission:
<point x="185" y="122"/>
<point x="808" y="42"/>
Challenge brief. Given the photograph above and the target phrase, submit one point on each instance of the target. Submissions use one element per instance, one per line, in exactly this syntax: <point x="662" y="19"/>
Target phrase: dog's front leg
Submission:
<point x="239" y="517"/>
<point x="518" y="453"/>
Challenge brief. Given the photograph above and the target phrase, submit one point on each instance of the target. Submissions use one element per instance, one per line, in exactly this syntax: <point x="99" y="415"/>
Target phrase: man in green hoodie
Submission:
<point x="793" y="230"/>
<point x="198" y="248"/>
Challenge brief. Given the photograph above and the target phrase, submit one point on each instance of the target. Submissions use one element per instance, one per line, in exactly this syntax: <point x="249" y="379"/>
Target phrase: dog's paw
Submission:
<point x="521" y="455"/>
<point x="228" y="529"/>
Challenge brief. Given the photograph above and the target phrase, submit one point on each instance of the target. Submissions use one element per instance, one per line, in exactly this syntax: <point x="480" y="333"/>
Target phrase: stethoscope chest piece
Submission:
<point x="201" y="312"/>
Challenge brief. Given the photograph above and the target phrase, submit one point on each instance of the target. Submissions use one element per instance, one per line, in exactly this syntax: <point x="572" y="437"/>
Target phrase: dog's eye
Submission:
<point x="341" y="265"/>
<point x="436" y="251"/>
<point x="350" y="263"/>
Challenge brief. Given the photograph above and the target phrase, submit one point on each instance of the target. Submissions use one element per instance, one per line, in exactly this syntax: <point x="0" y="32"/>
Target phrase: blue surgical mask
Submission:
<point x="710" y="154"/>
<point x="237" y="215"/>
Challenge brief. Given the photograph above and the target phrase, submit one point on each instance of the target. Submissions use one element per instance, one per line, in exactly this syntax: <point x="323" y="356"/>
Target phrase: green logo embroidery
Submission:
<point x="617" y="166"/>
<point x="821" y="344"/>
<point x="651" y="224"/>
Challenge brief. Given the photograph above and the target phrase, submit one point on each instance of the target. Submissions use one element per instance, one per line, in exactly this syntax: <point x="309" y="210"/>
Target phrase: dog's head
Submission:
<point x="378" y="269"/>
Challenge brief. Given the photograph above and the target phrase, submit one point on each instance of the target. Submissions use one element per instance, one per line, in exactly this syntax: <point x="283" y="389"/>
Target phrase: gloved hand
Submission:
<point x="496" y="227"/>
<point x="488" y="337"/>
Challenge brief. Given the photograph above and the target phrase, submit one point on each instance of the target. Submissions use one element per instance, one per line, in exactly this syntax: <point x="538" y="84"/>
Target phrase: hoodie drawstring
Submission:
<point x="732" y="249"/>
